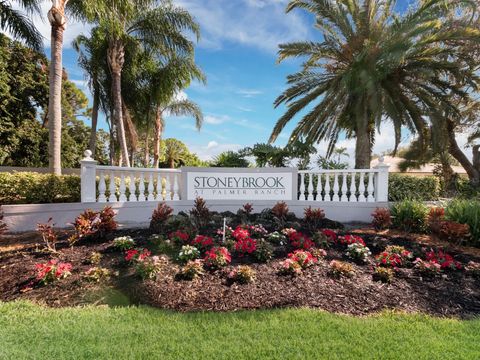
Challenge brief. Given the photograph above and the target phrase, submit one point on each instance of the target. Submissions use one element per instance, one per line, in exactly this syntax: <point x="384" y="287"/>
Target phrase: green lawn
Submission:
<point x="28" y="331"/>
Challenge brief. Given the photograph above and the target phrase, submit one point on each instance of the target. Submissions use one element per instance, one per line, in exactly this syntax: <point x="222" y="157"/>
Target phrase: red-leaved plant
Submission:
<point x="159" y="217"/>
<point x="382" y="219"/>
<point x="313" y="218"/>
<point x="280" y="213"/>
<point x="454" y="232"/>
<point x="93" y="223"/>
<point x="200" y="213"/>
<point x="435" y="218"/>
<point x="48" y="235"/>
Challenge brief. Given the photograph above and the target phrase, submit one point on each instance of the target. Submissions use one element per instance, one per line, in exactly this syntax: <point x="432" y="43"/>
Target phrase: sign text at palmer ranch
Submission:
<point x="240" y="185"/>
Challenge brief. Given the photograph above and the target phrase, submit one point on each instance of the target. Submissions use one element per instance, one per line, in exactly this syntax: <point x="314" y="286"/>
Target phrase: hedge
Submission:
<point x="403" y="187"/>
<point x="35" y="188"/>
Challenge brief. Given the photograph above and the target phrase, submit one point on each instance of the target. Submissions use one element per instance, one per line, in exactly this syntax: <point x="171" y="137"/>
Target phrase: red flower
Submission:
<point x="351" y="239"/>
<point x="240" y="233"/>
<point x="300" y="241"/>
<point x="217" y="257"/>
<point x="330" y="234"/>
<point x="179" y="236"/>
<point x="246" y="246"/>
<point x="131" y="254"/>
<point x="202" y="241"/>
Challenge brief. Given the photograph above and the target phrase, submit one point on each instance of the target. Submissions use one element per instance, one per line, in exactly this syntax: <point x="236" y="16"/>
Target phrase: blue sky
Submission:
<point x="237" y="52"/>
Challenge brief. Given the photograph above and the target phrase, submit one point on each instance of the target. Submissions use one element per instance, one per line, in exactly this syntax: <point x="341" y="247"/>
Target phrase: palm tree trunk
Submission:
<point x="92" y="144"/>
<point x="172" y="163"/>
<point x="116" y="60"/>
<point x="363" y="147"/>
<point x="472" y="172"/>
<point x="57" y="21"/>
<point x="157" y="137"/>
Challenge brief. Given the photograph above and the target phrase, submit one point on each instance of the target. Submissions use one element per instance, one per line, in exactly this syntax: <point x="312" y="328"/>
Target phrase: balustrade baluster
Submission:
<point x="168" y="188"/>
<point x="335" y="188"/>
<point x="132" y="188"/>
<point x="159" y="188"/>
<point x="327" y="188"/>
<point x="310" y="187"/>
<point x="112" y="197"/>
<point x="122" y="197"/>
<point x="102" y="187"/>
<point x="353" y="188"/>
<point x="141" y="188"/>
<point x="319" y="187"/>
<point x="344" y="196"/>
<point x="370" y="187"/>
<point x="361" y="188"/>
<point x="302" y="187"/>
<point x="150" y="188"/>
<point x="176" y="195"/>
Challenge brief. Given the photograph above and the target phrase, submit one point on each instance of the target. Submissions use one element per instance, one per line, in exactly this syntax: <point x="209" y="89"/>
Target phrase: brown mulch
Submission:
<point x="454" y="294"/>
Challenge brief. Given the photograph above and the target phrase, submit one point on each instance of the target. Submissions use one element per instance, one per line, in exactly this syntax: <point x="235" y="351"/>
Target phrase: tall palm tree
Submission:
<point x="158" y="26"/>
<point x="373" y="65"/>
<point x="19" y="25"/>
<point x="92" y="59"/>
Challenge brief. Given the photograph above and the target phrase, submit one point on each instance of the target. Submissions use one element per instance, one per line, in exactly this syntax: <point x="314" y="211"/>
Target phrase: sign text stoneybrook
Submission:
<point x="239" y="186"/>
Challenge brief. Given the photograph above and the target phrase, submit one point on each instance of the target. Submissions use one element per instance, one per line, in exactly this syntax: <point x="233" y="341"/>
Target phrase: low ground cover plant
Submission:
<point x="97" y="274"/>
<point x="217" y="257"/>
<point x="263" y="251"/>
<point x="52" y="271"/>
<point x="242" y="274"/>
<point x="351" y="239"/>
<point x="147" y="267"/>
<point x="179" y="237"/>
<point x="95" y="258"/>
<point x="123" y="243"/>
<point x="383" y="274"/>
<point x="358" y="252"/>
<point x="473" y="268"/>
<point x="394" y="256"/>
<point x="341" y="268"/>
<point x="188" y="253"/>
<point x="445" y="260"/>
<point x="191" y="270"/>
<point x="202" y="242"/>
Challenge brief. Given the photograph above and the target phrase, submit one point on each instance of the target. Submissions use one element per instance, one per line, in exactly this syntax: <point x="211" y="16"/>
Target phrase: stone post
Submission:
<point x="88" y="173"/>
<point x="381" y="183"/>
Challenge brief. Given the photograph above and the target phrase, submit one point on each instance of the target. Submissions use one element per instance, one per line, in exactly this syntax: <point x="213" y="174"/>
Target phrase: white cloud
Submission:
<point x="80" y="83"/>
<point x="215" y="120"/>
<point x="249" y="93"/>
<point x="259" y="23"/>
<point x="212" y="149"/>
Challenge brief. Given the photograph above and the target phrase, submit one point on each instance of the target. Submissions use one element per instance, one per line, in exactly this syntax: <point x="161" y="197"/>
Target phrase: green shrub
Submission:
<point x="410" y="216"/>
<point x="35" y="188"/>
<point x="466" y="212"/>
<point x="406" y="187"/>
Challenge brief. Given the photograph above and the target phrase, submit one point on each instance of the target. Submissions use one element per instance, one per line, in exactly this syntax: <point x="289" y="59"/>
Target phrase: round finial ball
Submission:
<point x="87" y="153"/>
<point x="381" y="159"/>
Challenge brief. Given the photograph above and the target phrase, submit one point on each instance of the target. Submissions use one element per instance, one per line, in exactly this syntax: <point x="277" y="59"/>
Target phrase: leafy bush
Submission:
<point x="351" y="239"/>
<point x="394" y="256"/>
<point x="406" y="187"/>
<point x="299" y="240"/>
<point x="179" y="237"/>
<point x="35" y="188"/>
<point x="242" y="274"/>
<point x="340" y="268"/>
<point x="200" y="213"/>
<point x="445" y="260"/>
<point x="93" y="224"/>
<point x="133" y="255"/>
<point x="147" y="267"/>
<point x="97" y="274"/>
<point x="277" y="238"/>
<point x="188" y="253"/>
<point x="217" y="257"/>
<point x="358" y="252"/>
<point x="52" y="271"/>
<point x="191" y="270"/>
<point x="466" y="212"/>
<point x="263" y="251"/>
<point x="290" y="267"/>
<point x="383" y="274"/>
<point x="410" y="216"/>
<point x="319" y="253"/>
<point x="313" y="218"/>
<point x="95" y="258"/>
<point x="124" y="243"/>
<point x="160" y="217"/>
<point x="382" y="219"/>
<point x="245" y="212"/>
<point x="49" y="236"/>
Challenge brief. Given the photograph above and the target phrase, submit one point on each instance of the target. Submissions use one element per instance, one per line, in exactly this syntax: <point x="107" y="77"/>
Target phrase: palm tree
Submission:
<point x="183" y="107"/>
<point x="148" y="24"/>
<point x="373" y="66"/>
<point x="92" y="59"/>
<point x="19" y="25"/>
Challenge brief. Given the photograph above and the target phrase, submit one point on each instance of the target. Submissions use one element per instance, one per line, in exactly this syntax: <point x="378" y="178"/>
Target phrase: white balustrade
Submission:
<point x="144" y="184"/>
<point x="376" y="180"/>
